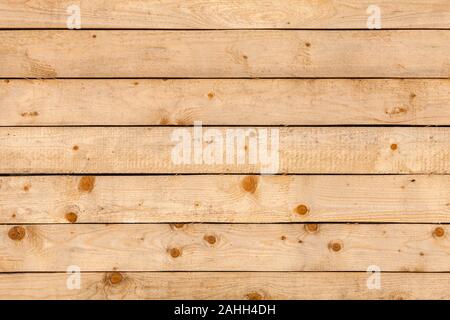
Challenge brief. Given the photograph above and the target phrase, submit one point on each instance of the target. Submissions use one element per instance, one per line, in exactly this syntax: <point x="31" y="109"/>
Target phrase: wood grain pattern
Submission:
<point x="216" y="14"/>
<point x="225" y="102"/>
<point x="149" y="150"/>
<point x="224" y="247"/>
<point x="227" y="285"/>
<point x="131" y="199"/>
<point x="362" y="178"/>
<point x="230" y="54"/>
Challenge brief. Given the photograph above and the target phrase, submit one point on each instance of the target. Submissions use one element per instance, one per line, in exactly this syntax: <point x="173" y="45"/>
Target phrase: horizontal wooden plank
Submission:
<point x="129" y="199"/>
<point x="225" y="102"/>
<point x="217" y="54"/>
<point x="157" y="149"/>
<point x="224" y="247"/>
<point x="216" y="14"/>
<point x="225" y="285"/>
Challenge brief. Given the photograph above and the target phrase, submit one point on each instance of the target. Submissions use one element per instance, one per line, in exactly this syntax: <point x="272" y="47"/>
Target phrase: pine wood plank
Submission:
<point x="216" y="14"/>
<point x="227" y="285"/>
<point x="149" y="150"/>
<point x="131" y="199"/>
<point x="218" y="54"/>
<point x="225" y="102"/>
<point x="225" y="247"/>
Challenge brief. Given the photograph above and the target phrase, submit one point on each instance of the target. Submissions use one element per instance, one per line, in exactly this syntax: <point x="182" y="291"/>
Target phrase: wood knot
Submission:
<point x="335" y="246"/>
<point x="302" y="209"/>
<point x="175" y="252"/>
<point x="164" y="121"/>
<point x="75" y="148"/>
<point x="311" y="227"/>
<point x="396" y="110"/>
<point x="16" y="233"/>
<point x="86" y="184"/>
<point x="394" y="146"/>
<point x="211" y="239"/>
<point x="308" y="44"/>
<point x="254" y="296"/>
<point x="250" y="183"/>
<point x="439" y="232"/>
<point x="115" y="278"/>
<point x="30" y="114"/>
<point x="71" y="217"/>
<point x="177" y="225"/>
<point x="211" y="95"/>
<point x="26" y="188"/>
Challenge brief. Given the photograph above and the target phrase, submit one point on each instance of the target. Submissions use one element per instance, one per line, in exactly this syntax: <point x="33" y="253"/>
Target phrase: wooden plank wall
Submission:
<point x="87" y="178"/>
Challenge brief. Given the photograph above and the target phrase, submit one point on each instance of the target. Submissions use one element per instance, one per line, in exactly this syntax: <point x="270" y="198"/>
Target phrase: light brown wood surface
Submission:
<point x="225" y="102"/>
<point x="229" y="54"/>
<point x="225" y="247"/>
<point x="226" y="285"/>
<point x="216" y="14"/>
<point x="212" y="198"/>
<point x="89" y="120"/>
<point x="149" y="150"/>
